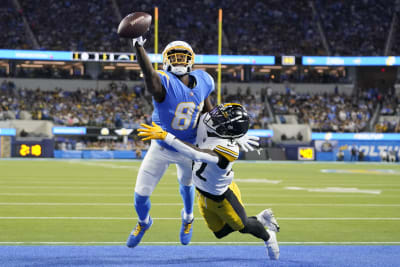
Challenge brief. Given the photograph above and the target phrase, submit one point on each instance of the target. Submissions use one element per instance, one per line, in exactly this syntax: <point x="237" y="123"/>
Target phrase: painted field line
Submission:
<point x="66" y="183"/>
<point x="180" y="204"/>
<point x="257" y="181"/>
<point x="165" y="218"/>
<point x="198" y="243"/>
<point x="40" y="180"/>
<point x="335" y="190"/>
<point x="104" y="165"/>
<point x="127" y="187"/>
<point x="297" y="195"/>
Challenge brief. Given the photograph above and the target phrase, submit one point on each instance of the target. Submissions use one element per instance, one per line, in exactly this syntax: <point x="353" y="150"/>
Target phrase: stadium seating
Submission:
<point x="115" y="107"/>
<point x="325" y="112"/>
<point x="354" y="27"/>
<point x="250" y="27"/>
<point x="12" y="28"/>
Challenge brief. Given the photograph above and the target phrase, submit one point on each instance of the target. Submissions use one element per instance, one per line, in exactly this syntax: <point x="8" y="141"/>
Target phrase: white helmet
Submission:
<point x="178" y="58"/>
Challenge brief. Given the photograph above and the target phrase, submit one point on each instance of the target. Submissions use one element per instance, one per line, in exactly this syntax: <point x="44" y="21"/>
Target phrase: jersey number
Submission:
<point x="183" y="115"/>
<point x="200" y="170"/>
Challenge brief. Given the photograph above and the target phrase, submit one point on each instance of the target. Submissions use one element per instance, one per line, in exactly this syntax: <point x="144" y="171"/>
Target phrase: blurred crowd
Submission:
<point x="12" y="28"/>
<point x="389" y="120"/>
<point x="351" y="27"/>
<point x="118" y="106"/>
<point x="325" y="112"/>
<point x="73" y="25"/>
<point x="254" y="104"/>
<point x="356" y="27"/>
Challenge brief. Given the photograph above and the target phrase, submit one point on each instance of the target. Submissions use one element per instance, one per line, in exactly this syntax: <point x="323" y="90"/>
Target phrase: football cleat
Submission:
<point x="272" y="246"/>
<point x="137" y="233"/>
<point x="186" y="230"/>
<point x="267" y="218"/>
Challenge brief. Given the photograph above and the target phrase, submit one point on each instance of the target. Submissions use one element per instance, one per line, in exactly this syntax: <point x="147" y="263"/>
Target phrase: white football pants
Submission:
<point x="155" y="163"/>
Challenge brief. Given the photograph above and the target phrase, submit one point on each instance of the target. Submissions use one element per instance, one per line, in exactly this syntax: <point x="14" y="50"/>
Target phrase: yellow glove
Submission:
<point x="151" y="132"/>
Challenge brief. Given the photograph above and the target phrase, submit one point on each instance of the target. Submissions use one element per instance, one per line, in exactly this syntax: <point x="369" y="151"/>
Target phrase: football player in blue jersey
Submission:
<point x="180" y="95"/>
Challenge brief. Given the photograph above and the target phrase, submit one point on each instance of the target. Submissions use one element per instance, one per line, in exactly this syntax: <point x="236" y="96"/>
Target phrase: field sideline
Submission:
<point x="91" y="201"/>
<point x="69" y="202"/>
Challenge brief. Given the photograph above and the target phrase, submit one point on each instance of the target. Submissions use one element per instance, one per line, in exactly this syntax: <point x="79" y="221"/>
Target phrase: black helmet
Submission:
<point x="228" y="120"/>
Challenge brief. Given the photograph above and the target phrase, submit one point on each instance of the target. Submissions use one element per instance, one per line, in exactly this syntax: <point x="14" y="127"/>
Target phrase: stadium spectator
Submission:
<point x="113" y="107"/>
<point x="325" y="112"/>
<point x="246" y="23"/>
<point x="13" y="35"/>
<point x="249" y="27"/>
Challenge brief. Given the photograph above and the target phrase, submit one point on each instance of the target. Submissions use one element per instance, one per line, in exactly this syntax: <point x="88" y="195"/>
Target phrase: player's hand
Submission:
<point x="139" y="41"/>
<point x="151" y="132"/>
<point x="248" y="142"/>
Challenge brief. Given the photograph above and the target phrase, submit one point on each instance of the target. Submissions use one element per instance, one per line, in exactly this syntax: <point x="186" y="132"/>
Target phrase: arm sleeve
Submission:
<point x="190" y="152"/>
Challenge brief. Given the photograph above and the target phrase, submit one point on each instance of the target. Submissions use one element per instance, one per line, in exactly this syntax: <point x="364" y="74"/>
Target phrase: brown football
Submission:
<point x="134" y="25"/>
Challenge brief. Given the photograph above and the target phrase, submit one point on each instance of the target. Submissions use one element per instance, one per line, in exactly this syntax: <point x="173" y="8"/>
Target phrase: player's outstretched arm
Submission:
<point x="187" y="149"/>
<point x="151" y="77"/>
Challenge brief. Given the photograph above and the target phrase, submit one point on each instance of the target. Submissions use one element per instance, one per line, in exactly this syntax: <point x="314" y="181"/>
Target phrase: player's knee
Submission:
<point x="185" y="181"/>
<point x="244" y="230"/>
<point x="143" y="190"/>
<point x="246" y="227"/>
<point x="226" y="230"/>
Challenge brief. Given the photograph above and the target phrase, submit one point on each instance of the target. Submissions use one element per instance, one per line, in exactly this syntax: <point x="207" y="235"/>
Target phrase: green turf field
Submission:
<point x="92" y="201"/>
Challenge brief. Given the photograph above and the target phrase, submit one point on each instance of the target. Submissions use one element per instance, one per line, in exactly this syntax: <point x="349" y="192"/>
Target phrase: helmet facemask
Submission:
<point x="228" y="121"/>
<point x="178" y="58"/>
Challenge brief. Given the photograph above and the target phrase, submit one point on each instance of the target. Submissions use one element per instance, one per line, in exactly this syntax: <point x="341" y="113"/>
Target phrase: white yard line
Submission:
<point x="128" y="180"/>
<point x="297" y="195"/>
<point x="127" y="187"/>
<point x="180" y="204"/>
<point x="198" y="243"/>
<point x="164" y="218"/>
<point x="104" y="165"/>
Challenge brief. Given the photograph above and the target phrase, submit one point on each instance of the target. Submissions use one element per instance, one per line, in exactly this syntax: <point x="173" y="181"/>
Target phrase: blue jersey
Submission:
<point x="182" y="106"/>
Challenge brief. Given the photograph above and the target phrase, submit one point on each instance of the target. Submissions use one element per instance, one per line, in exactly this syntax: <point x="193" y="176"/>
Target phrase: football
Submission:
<point x="134" y="25"/>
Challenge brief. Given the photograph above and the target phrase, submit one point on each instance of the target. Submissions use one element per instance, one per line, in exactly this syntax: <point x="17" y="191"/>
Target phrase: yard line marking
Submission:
<point x="131" y="185"/>
<point x="334" y="190"/>
<point x="69" y="187"/>
<point x="367" y="171"/>
<point x="164" y="218"/>
<point x="200" y="243"/>
<point x="72" y="204"/>
<point x="180" y="204"/>
<point x="352" y="184"/>
<point x="311" y="195"/>
<point x="105" y="165"/>
<point x="257" y="180"/>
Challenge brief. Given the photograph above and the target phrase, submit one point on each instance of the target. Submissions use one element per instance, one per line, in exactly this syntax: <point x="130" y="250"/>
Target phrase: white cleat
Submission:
<point x="272" y="246"/>
<point x="267" y="218"/>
